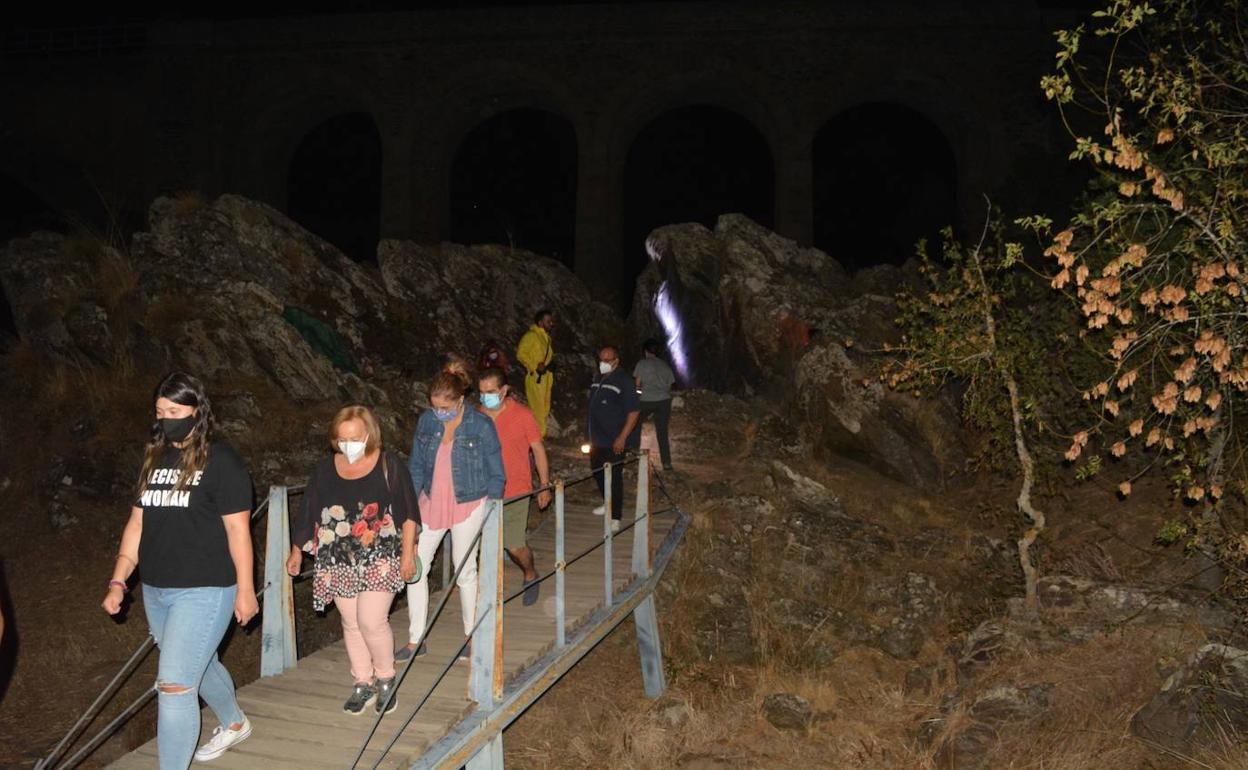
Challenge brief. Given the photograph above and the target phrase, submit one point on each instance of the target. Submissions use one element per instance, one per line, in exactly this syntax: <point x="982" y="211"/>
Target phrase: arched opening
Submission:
<point x="334" y="184"/>
<point x="884" y="177"/>
<point x="692" y="164"/>
<point x="513" y="181"/>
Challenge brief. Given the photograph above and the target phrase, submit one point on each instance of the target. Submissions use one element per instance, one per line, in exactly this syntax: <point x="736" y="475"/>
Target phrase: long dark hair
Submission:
<point x="181" y="388"/>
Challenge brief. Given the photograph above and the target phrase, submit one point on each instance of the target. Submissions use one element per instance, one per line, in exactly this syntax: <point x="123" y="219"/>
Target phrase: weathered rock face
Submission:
<point x="464" y="295"/>
<point x="747" y="310"/>
<point x="1204" y="700"/>
<point x="222" y="275"/>
<point x="50" y="281"/>
<point x="280" y="324"/>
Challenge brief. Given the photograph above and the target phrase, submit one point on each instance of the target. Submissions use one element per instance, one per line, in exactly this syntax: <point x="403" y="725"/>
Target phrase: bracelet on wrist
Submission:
<point x="119" y="583"/>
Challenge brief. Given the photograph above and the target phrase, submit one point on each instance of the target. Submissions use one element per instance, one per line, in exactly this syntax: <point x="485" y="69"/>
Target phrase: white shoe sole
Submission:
<point x="244" y="735"/>
<point x="600" y="510"/>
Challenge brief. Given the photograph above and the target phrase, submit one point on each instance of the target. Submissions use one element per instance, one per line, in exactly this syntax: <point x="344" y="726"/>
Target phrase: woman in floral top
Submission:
<point x="359" y="520"/>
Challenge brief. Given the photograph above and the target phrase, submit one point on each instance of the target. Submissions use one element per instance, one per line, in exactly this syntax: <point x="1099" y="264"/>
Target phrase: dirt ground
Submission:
<point x="60" y="648"/>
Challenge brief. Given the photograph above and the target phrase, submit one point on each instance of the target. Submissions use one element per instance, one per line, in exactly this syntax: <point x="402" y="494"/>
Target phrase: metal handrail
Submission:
<point x="558" y="486"/>
<point x="442" y="602"/>
<point x="541" y="578"/>
<point x="140" y="653"/>
<point x="120" y="678"/>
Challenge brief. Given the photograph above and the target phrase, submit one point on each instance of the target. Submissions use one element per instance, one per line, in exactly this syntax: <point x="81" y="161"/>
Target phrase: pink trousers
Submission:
<point x="367" y="635"/>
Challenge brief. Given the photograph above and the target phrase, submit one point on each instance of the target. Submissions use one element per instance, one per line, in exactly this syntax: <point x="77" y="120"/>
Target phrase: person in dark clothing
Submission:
<point x="189" y="527"/>
<point x="359" y="521"/>
<point x="613" y="412"/>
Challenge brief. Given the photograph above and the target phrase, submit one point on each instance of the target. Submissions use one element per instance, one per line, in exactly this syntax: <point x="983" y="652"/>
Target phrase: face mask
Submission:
<point x="605" y="367"/>
<point x="176" y="430"/>
<point x="352" y="450"/>
<point x="445" y="415"/>
<point x="491" y="400"/>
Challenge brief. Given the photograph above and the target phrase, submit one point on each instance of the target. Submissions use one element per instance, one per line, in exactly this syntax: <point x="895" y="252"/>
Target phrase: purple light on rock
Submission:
<point x="665" y="309"/>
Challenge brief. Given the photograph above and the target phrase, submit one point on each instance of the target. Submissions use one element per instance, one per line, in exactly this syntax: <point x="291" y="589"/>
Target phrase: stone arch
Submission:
<point x="735" y="92"/>
<point x="965" y="125"/>
<point x="737" y="98"/>
<point x="479" y="92"/>
<point x="883" y="176"/>
<point x="275" y="112"/>
<point x="693" y="163"/>
<point x="333" y="185"/>
<point x="513" y="180"/>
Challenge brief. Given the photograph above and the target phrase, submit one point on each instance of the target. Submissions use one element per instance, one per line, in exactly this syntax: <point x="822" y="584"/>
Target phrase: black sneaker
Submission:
<point x="532" y="591"/>
<point x="362" y="695"/>
<point x="405" y="653"/>
<point x="386" y="696"/>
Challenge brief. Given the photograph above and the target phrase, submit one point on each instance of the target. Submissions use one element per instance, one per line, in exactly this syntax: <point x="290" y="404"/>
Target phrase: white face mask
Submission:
<point x="352" y="450"/>
<point x="605" y="367"/>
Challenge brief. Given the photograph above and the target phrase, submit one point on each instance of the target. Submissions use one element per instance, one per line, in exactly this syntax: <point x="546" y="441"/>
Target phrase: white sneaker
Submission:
<point x="222" y="739"/>
<point x="600" y="510"/>
<point x="615" y="525"/>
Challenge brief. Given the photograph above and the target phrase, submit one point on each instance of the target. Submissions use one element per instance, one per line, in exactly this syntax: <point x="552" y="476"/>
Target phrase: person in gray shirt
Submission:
<point x="655" y="379"/>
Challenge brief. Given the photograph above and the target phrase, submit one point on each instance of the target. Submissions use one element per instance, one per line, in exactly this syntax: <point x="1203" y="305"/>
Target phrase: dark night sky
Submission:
<point x="65" y="14"/>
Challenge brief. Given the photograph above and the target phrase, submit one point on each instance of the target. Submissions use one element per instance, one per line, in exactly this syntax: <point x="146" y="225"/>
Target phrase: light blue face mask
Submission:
<point x="445" y="415"/>
<point x="491" y="400"/>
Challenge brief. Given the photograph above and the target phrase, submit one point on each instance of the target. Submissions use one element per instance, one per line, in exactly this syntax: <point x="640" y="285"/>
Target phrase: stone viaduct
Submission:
<point x="129" y="112"/>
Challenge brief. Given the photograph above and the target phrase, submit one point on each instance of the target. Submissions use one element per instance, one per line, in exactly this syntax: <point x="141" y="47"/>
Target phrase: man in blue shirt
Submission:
<point x="613" y="411"/>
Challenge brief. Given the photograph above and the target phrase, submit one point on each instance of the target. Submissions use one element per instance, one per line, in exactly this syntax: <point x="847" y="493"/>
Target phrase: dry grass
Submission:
<point x="1097" y="687"/>
<point x="188" y="201"/>
<point x="1094" y="563"/>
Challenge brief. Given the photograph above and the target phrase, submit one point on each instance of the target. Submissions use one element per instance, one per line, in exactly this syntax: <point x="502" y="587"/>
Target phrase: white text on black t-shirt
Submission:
<point x="168" y="498"/>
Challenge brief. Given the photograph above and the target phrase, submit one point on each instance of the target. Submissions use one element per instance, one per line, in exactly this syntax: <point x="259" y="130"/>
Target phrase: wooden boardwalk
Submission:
<point x="297" y="717"/>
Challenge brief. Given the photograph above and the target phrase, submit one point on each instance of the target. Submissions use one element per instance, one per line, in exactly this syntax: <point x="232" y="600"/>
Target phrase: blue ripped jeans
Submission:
<point x="188" y="624"/>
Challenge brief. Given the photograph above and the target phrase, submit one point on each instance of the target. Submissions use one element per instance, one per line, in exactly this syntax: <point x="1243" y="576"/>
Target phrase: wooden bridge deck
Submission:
<point x="297" y="717"/>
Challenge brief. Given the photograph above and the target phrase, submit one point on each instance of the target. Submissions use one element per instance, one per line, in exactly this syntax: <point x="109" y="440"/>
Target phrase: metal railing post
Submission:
<point x="486" y="676"/>
<point x="277" y="647"/>
<point x="608" y="579"/>
<point x="641" y="518"/>
<point x="645" y="616"/>
<point x="561" y="624"/>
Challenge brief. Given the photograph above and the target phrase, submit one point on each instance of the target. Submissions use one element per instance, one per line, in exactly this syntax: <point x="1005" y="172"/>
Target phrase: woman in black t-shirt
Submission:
<point x="359" y="520"/>
<point x="190" y="529"/>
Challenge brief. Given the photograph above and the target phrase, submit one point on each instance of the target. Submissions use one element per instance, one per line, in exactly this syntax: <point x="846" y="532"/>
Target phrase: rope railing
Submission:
<point x="493" y="513"/>
<point x="278" y="545"/>
<point x="642" y="516"/>
<point x="119" y="679"/>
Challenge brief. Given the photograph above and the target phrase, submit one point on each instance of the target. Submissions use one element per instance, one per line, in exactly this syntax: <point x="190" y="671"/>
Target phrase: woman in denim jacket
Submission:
<point x="456" y="464"/>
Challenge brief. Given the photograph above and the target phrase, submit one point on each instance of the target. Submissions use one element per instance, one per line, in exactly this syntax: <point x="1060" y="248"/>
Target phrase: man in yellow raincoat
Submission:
<point x="535" y="354"/>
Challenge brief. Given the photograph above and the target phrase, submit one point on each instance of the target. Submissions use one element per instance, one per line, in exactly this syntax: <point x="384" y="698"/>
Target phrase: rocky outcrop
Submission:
<point x="281" y="325"/>
<point x="1200" y="704"/>
<point x="464" y="295"/>
<point x="747" y="310"/>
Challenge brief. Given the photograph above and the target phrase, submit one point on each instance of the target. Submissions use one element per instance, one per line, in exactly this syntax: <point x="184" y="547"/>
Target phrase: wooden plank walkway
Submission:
<point x="297" y="717"/>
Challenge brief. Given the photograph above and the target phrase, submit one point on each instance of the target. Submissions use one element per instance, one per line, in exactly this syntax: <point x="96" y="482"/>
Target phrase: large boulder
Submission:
<point x="465" y="295"/>
<point x="746" y="310"/>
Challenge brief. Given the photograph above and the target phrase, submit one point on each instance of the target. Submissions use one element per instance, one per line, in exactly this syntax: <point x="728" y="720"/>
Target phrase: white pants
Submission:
<point x="462" y="534"/>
